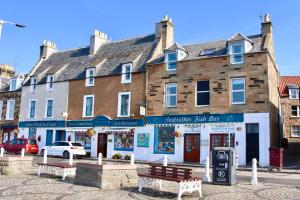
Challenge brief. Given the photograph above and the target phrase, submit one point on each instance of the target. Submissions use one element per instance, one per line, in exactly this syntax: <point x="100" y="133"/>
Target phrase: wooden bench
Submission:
<point x="182" y="176"/>
<point x="54" y="167"/>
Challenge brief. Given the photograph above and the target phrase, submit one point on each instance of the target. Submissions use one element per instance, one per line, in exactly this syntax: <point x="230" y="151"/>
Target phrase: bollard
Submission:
<point x="71" y="158"/>
<point x="132" y="159"/>
<point x="1" y="152"/>
<point x="165" y="163"/>
<point x="254" y="172"/>
<point x="207" y="176"/>
<point x="237" y="161"/>
<point x="22" y="152"/>
<point x="45" y="156"/>
<point x="100" y="159"/>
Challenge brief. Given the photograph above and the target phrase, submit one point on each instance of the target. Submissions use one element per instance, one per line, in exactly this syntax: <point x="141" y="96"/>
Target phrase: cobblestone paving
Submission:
<point x="50" y="188"/>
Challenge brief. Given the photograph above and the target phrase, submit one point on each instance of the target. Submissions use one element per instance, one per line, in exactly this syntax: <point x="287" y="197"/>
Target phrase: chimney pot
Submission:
<point x="267" y="18"/>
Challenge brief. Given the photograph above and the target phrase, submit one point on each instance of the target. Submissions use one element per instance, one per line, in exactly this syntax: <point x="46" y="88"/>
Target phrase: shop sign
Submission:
<point x="80" y="123"/>
<point x="195" y="119"/>
<point x="42" y="124"/>
<point x="127" y="123"/>
<point x="222" y="128"/>
<point x="143" y="139"/>
<point x="196" y="129"/>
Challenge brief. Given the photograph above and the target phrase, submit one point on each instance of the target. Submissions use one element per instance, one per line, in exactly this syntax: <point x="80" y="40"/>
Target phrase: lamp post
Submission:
<point x="6" y="22"/>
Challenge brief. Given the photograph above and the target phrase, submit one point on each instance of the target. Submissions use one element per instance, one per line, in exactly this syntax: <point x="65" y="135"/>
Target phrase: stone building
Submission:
<point x="10" y="97"/>
<point x="290" y="113"/>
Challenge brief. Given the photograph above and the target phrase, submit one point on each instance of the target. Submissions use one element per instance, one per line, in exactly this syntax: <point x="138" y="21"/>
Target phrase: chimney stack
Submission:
<point x="266" y="25"/>
<point x="165" y="32"/>
<point x="46" y="49"/>
<point x="96" y="40"/>
<point x="6" y="71"/>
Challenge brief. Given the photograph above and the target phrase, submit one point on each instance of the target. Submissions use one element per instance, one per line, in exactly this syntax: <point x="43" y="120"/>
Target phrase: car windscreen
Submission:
<point x="32" y="142"/>
<point x="76" y="144"/>
<point x="21" y="141"/>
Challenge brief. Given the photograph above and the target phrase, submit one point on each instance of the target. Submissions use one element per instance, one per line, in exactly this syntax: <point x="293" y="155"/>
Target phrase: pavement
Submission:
<point x="271" y="186"/>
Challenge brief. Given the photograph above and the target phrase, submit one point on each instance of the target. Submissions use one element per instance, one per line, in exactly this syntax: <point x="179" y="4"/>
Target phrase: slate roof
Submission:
<point x="285" y="81"/>
<point x="71" y="64"/>
<point x="194" y="50"/>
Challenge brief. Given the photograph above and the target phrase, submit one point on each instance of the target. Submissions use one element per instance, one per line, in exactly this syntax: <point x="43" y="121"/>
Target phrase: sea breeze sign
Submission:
<point x="41" y="124"/>
<point x="195" y="119"/>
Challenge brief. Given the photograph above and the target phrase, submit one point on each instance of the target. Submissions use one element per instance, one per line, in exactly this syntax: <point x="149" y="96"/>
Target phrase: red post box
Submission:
<point x="276" y="158"/>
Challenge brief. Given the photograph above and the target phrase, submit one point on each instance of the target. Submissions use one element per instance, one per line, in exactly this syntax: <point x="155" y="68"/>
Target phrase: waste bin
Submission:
<point x="224" y="165"/>
<point x="276" y="158"/>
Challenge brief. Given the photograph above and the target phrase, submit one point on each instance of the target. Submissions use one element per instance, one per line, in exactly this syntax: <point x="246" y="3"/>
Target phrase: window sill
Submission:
<point x="123" y="116"/>
<point x="124" y="82"/>
<point x="238" y="104"/>
<point x="48" y="117"/>
<point x="170" y="106"/>
<point x="8" y="119"/>
<point x="88" y="116"/>
<point x="295" y="116"/>
<point x="89" y="85"/>
<point x="201" y="106"/>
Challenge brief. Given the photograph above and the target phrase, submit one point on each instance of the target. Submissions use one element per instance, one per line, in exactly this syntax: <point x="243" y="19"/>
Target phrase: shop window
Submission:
<point x="123" y="141"/>
<point x="238" y="91"/>
<point x="203" y="95"/>
<point x="84" y="139"/>
<point x="295" y="131"/>
<point x="164" y="140"/>
<point x="221" y="140"/>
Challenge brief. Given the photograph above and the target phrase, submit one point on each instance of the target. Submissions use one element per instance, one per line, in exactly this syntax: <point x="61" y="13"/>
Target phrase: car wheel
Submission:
<point x="66" y="154"/>
<point x="42" y="153"/>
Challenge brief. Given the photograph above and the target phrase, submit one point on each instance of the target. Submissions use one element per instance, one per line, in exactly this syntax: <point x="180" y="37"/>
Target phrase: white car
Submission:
<point x="63" y="148"/>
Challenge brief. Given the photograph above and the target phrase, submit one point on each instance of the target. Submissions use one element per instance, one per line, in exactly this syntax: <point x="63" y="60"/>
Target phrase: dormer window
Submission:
<point x="206" y="52"/>
<point x="171" y="61"/>
<point x="50" y="80"/>
<point x="126" y="73"/>
<point x="294" y="93"/>
<point x="237" y="53"/>
<point x="90" y="77"/>
<point x="33" y="82"/>
<point x="13" y="85"/>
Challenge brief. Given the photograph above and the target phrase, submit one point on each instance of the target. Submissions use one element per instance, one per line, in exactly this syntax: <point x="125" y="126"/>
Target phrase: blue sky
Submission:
<point x="70" y="23"/>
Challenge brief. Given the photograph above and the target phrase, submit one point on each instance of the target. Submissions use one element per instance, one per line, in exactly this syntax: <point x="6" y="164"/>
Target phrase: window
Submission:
<point x="50" y="80"/>
<point x="295" y="131"/>
<point x="296" y="111"/>
<point x="126" y="73"/>
<point x="202" y="95"/>
<point x="90" y="74"/>
<point x="124" y="104"/>
<point x="207" y="52"/>
<point x="123" y="141"/>
<point x="33" y="82"/>
<point x="32" y="108"/>
<point x="237" y="51"/>
<point x="49" y="108"/>
<point x="171" y="95"/>
<point x="83" y="138"/>
<point x="238" y="90"/>
<point x="294" y="93"/>
<point x="88" y="106"/>
<point x="10" y="110"/>
<point x="164" y="140"/>
<point x="13" y="85"/>
<point x="1" y="105"/>
<point x="171" y="60"/>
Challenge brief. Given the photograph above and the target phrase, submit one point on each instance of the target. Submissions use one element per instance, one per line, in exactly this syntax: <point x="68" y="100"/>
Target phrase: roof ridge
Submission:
<point x="122" y="40"/>
<point x="61" y="51"/>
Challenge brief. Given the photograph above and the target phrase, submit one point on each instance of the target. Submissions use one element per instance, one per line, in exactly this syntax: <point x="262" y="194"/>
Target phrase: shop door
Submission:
<point x="191" y="147"/>
<point x="49" y="137"/>
<point x="60" y="135"/>
<point x="221" y="140"/>
<point x="102" y="144"/>
<point x="252" y="142"/>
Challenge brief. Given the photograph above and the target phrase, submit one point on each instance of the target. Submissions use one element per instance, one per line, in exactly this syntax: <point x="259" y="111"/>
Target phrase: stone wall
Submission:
<point x="15" y="165"/>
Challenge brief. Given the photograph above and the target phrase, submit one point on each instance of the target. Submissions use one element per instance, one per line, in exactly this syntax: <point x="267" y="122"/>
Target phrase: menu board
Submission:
<point x="165" y="140"/>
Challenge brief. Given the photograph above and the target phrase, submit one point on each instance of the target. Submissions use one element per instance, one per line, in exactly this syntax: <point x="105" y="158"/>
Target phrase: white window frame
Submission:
<point x="196" y="93"/>
<point x="10" y="86"/>
<point x="297" y="93"/>
<point x="8" y="113"/>
<point x="244" y="90"/>
<point x="84" y="106"/>
<point x="1" y="109"/>
<point x="167" y="61"/>
<point x="166" y="95"/>
<point x="49" y="82"/>
<point x="297" y="109"/>
<point x="292" y="135"/>
<point x="46" y="108"/>
<point x="232" y="54"/>
<point x="124" y="73"/>
<point x="88" y="77"/>
<point x="33" y="83"/>
<point x="119" y="103"/>
<point x="29" y="109"/>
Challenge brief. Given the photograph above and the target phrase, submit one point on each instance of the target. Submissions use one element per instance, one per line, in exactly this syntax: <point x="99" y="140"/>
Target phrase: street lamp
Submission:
<point x="5" y="22"/>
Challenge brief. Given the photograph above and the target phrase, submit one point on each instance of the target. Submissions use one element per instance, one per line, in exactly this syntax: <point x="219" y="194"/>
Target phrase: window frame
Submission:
<point x="84" y="105"/>
<point x="10" y="85"/>
<point x="232" y="91"/>
<point x="46" y="108"/>
<point x="29" y="109"/>
<point x="8" y="111"/>
<point x="1" y="109"/>
<point x="49" y="82"/>
<point x="292" y="135"/>
<point x="290" y="93"/>
<point x="124" y="73"/>
<point x="297" y="110"/>
<point x="120" y="94"/>
<point x="196" y="94"/>
<point x="88" y="77"/>
<point x="167" y="61"/>
<point x="232" y="54"/>
<point x="166" y="95"/>
<point x="33" y="83"/>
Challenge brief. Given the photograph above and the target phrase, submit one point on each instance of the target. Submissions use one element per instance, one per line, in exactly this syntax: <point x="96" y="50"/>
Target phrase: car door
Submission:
<point x="63" y="146"/>
<point x="12" y="147"/>
<point x="51" y="149"/>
